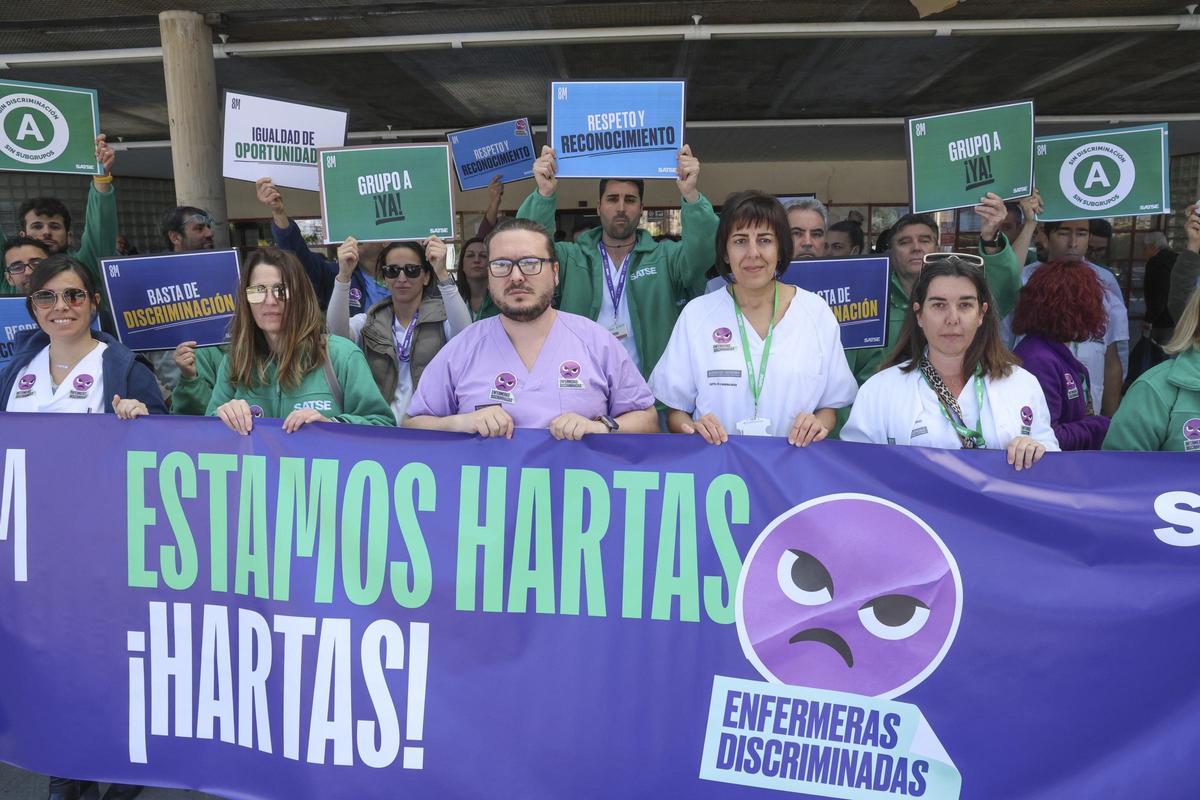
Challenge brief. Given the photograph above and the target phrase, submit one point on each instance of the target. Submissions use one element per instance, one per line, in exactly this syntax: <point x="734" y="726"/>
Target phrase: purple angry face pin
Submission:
<point x="26" y="382"/>
<point x="850" y="593"/>
<point x="256" y="411"/>
<point x="83" y="382"/>
<point x="1026" y="415"/>
<point x="506" y="381"/>
<point x="569" y="370"/>
<point x="1191" y="429"/>
<point x="722" y="336"/>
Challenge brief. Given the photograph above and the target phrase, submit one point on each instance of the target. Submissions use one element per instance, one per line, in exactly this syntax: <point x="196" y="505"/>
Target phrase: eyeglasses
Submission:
<point x="965" y="258"/>
<point x="203" y="220"/>
<point x="529" y="265"/>
<point x="48" y="298"/>
<point x="18" y="267"/>
<point x="258" y="294"/>
<point x="411" y="271"/>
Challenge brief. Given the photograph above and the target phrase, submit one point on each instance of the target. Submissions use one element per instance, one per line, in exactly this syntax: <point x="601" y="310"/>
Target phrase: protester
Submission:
<point x="807" y="219"/>
<point x="187" y="228"/>
<point x="125" y="247"/>
<point x="1020" y="225"/>
<point x="1068" y="241"/>
<point x="618" y="275"/>
<point x="1185" y="275"/>
<point x="913" y="237"/>
<point x="1162" y="409"/>
<point x="700" y="377"/>
<point x="950" y="382"/>
<point x="401" y="335"/>
<point x="1063" y="303"/>
<point x="492" y="214"/>
<point x="844" y="240"/>
<point x="365" y="289"/>
<point x="48" y="220"/>
<point x="21" y="257"/>
<point x="1160" y="260"/>
<point x="472" y="277"/>
<point x="532" y="366"/>
<point x="1100" y="233"/>
<point x="280" y="364"/>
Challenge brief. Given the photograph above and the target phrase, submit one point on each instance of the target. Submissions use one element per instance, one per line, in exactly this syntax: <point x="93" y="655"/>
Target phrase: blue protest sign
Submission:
<point x="504" y="149"/>
<point x="359" y="612"/>
<point x="14" y="318"/>
<point x="856" y="290"/>
<point x="616" y="129"/>
<point x="159" y="301"/>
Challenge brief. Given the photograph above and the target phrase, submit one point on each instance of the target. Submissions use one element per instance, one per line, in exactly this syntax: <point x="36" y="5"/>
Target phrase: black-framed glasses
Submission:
<point x="529" y="265"/>
<point x="944" y="258"/>
<point x="48" y="298"/>
<point x="411" y="271"/>
<point x="19" y="267"/>
<point x="258" y="294"/>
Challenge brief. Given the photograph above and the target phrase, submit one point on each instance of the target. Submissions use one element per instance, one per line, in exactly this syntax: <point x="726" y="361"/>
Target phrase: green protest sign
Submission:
<point x="955" y="159"/>
<point x="45" y="128"/>
<point x="386" y="193"/>
<point x="1116" y="173"/>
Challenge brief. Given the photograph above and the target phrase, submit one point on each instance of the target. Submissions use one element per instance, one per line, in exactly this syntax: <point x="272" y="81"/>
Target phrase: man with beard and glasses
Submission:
<point x="532" y="366"/>
<point x="618" y="275"/>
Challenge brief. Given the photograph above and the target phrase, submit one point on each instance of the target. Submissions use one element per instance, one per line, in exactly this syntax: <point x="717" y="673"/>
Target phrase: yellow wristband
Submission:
<point x="102" y="178"/>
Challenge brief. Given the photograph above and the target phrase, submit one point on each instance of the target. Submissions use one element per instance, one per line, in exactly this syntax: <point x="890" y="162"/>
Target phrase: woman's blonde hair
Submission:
<point x="303" y="347"/>
<point x="1185" y="336"/>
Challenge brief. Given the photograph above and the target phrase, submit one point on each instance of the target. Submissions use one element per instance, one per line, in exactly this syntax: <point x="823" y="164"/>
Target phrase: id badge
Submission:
<point x="619" y="331"/>
<point x="755" y="426"/>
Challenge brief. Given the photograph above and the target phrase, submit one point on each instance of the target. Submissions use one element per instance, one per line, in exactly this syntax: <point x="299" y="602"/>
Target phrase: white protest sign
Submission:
<point x="272" y="138"/>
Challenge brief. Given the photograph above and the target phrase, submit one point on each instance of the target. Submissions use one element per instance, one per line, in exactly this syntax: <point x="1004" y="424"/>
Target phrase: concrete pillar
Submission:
<point x="194" y="111"/>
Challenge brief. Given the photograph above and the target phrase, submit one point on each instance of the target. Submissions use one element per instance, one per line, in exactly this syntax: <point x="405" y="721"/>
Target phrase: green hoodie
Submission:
<point x="1158" y="406"/>
<point x="663" y="276"/>
<point x="363" y="404"/>
<point x="191" y="395"/>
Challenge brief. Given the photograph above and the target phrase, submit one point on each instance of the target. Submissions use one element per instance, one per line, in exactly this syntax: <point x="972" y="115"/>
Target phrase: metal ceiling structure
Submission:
<point x="769" y="80"/>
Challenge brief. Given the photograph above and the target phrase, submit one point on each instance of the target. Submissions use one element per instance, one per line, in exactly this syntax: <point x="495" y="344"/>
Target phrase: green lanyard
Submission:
<point x="756" y="386"/>
<point x="970" y="438"/>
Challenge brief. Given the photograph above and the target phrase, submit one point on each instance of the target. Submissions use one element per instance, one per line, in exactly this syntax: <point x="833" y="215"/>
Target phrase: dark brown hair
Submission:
<point x="752" y="207"/>
<point x="986" y="351"/>
<point x="303" y="329"/>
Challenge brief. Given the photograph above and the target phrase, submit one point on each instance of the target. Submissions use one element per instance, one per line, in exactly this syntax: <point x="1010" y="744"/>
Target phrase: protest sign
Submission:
<point x="48" y="128"/>
<point x="162" y="300"/>
<point x="387" y="193"/>
<point x="955" y="159"/>
<point x="856" y="290"/>
<point x="362" y="612"/>
<point x="1114" y="173"/>
<point x="14" y="318"/>
<point x="265" y="137"/>
<point x="504" y="149"/>
<point x="616" y="129"/>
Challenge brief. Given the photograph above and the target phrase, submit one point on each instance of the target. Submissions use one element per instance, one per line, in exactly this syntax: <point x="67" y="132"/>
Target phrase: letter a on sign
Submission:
<point x="29" y="128"/>
<point x="1096" y="175"/>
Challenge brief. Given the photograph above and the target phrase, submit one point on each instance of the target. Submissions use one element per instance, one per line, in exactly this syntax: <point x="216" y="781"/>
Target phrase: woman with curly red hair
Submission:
<point x="1063" y="303"/>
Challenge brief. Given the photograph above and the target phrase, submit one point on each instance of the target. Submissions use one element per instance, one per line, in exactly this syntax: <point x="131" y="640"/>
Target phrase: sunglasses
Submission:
<point x="946" y="258"/>
<point x="19" y="267"/>
<point x="203" y="220"/>
<point x="503" y="267"/>
<point x="258" y="294"/>
<point x="48" y="298"/>
<point x="411" y="271"/>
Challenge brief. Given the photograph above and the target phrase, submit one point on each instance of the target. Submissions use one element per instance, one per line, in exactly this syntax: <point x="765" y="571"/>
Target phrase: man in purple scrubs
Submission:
<point x="532" y="366"/>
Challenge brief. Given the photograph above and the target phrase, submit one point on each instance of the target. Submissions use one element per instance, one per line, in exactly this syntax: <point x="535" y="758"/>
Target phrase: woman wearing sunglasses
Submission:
<point x="950" y="382"/>
<point x="401" y="334"/>
<point x="280" y="364"/>
<point x="64" y="366"/>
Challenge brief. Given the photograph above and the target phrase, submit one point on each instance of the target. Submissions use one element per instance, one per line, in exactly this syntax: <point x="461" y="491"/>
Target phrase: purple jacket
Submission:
<point x="1065" y="383"/>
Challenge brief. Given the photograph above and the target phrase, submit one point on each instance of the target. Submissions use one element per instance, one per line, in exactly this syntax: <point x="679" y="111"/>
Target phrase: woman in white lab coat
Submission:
<point x="951" y="382"/>
<point x="760" y="358"/>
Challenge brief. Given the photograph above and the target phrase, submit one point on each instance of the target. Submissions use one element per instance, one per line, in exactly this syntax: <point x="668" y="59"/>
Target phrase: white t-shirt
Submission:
<point x="1092" y="354"/>
<point x="703" y="369"/>
<point x="81" y="392"/>
<point x="607" y="318"/>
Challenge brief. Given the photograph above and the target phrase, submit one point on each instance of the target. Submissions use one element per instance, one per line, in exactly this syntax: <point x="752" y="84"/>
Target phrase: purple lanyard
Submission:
<point x="614" y="292"/>
<point x="404" y="348"/>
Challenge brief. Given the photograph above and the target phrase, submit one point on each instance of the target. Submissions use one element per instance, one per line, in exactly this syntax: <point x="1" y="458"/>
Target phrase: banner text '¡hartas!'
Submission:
<point x="215" y="509"/>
